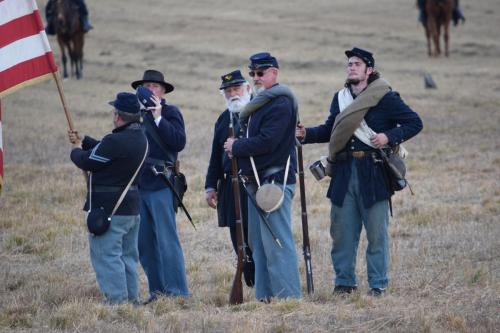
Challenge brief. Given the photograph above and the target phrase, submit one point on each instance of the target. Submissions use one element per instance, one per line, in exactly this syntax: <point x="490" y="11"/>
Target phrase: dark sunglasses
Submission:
<point x="258" y="73"/>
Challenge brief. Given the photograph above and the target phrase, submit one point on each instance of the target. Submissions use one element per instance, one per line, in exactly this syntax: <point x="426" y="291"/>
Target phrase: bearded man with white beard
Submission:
<point x="218" y="188"/>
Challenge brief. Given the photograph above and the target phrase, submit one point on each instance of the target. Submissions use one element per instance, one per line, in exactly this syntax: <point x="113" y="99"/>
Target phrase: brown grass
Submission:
<point x="445" y="239"/>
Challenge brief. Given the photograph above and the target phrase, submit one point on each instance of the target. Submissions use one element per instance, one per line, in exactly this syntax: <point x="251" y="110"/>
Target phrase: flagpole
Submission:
<point x="57" y="78"/>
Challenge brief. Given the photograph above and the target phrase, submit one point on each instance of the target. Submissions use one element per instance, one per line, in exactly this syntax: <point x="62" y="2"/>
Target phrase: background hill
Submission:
<point x="445" y="240"/>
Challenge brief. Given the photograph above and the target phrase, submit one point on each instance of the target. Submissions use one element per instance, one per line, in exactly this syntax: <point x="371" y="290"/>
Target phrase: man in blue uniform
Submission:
<point x="160" y="250"/>
<point x="113" y="161"/>
<point x="269" y="139"/>
<point x="218" y="186"/>
<point x="359" y="190"/>
<point x="82" y="10"/>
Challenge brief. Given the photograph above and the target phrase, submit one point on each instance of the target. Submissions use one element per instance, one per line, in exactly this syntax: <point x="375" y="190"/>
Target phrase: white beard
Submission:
<point x="238" y="103"/>
<point x="258" y="90"/>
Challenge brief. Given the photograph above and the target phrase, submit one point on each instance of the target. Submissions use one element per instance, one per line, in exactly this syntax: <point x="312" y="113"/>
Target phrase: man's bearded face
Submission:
<point x="236" y="97"/>
<point x="357" y="71"/>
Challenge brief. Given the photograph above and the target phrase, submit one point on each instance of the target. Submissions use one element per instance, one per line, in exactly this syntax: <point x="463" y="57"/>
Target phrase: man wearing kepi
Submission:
<point x="160" y="250"/>
<point x="364" y="116"/>
<point x="113" y="162"/>
<point x="218" y="186"/>
<point x="269" y="143"/>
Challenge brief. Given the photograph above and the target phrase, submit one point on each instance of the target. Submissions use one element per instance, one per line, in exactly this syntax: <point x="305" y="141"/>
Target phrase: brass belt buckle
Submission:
<point x="358" y="154"/>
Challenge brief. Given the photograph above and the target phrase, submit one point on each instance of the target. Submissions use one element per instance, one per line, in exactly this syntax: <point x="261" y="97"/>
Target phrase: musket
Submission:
<point x="305" y="227"/>
<point x="261" y="212"/>
<point x="169" y="183"/>
<point x="236" y="295"/>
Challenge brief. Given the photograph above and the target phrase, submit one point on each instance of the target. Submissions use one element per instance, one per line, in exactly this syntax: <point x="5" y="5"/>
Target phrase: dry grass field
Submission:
<point x="445" y="248"/>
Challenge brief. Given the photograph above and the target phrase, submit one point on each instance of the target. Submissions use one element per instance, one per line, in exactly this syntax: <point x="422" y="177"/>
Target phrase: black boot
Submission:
<point x="49" y="29"/>
<point x="457" y="16"/>
<point x="86" y="26"/>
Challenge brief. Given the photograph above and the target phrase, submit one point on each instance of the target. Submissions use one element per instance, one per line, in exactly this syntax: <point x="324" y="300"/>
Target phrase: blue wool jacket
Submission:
<point x="173" y="137"/>
<point x="390" y="116"/>
<point x="219" y="173"/>
<point x="113" y="161"/>
<point x="271" y="140"/>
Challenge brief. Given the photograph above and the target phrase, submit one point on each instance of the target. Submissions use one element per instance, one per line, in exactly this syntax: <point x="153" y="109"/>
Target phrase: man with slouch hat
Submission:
<point x="219" y="194"/>
<point x="364" y="117"/>
<point x="268" y="143"/>
<point x="113" y="162"/>
<point x="160" y="250"/>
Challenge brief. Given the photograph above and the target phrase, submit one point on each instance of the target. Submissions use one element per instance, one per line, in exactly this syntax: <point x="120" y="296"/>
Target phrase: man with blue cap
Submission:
<point x="112" y="163"/>
<point x="266" y="154"/>
<point x="218" y="186"/>
<point x="365" y="116"/>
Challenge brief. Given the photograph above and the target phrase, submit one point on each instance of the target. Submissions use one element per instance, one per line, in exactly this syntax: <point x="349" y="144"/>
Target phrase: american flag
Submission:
<point x="25" y="54"/>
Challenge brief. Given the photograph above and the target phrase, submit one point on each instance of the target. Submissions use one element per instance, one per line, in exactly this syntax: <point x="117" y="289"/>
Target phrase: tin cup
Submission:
<point x="318" y="170"/>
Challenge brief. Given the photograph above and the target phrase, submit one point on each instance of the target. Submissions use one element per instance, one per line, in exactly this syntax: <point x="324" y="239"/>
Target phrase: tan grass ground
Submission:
<point x="445" y="239"/>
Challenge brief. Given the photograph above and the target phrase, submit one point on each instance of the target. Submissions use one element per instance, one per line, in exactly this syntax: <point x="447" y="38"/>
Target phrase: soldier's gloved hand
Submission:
<point x="211" y="198"/>
<point x="329" y="167"/>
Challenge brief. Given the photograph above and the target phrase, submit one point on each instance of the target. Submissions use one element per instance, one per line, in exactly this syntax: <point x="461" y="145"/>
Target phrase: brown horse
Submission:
<point x="438" y="14"/>
<point x="70" y="35"/>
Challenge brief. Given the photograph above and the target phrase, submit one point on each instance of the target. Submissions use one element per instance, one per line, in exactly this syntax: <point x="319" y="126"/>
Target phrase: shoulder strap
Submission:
<point x="256" y="174"/>
<point x="154" y="134"/>
<point x="122" y="196"/>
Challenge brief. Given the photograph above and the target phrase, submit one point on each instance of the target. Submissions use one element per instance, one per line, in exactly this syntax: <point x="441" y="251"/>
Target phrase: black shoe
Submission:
<point x="344" y="290"/>
<point x="150" y="300"/>
<point x="376" y="292"/>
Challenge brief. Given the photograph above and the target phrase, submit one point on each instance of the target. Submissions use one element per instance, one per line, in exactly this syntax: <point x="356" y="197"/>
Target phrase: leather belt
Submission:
<point x="104" y="188"/>
<point x="354" y="154"/>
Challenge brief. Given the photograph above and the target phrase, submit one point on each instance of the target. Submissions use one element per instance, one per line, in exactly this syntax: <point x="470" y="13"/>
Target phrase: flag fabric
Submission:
<point x="25" y="54"/>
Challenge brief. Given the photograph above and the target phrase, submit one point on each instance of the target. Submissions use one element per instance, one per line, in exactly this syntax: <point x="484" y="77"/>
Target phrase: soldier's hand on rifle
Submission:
<point x="211" y="197"/>
<point x="155" y="110"/>
<point x="228" y="146"/>
<point x="75" y="139"/>
<point x="300" y="132"/>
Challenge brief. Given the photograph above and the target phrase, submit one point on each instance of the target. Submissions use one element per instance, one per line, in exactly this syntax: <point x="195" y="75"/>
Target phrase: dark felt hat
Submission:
<point x="126" y="102"/>
<point x="263" y="60"/>
<point x="232" y="79"/>
<point x="364" y="55"/>
<point x="151" y="75"/>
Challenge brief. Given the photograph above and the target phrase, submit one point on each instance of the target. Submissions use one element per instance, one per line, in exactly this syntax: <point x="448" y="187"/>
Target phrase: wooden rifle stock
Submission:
<point x="236" y="296"/>
<point x="305" y="227"/>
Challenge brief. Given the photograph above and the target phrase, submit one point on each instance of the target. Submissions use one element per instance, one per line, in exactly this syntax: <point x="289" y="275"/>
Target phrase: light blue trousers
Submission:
<point x="276" y="269"/>
<point x="160" y="250"/>
<point x="346" y="224"/>
<point x="114" y="256"/>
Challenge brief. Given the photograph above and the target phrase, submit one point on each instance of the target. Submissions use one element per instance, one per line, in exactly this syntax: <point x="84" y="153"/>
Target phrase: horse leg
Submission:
<point x="432" y="35"/>
<point x="438" y="38"/>
<point x="78" y="49"/>
<point x="72" y="57"/>
<point x="63" y="56"/>
<point x="447" y="39"/>
<point x="428" y="36"/>
<point x="446" y="27"/>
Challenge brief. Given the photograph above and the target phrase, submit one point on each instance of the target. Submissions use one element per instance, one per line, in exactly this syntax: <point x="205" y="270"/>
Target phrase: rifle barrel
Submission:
<point x="305" y="227"/>
<point x="236" y="295"/>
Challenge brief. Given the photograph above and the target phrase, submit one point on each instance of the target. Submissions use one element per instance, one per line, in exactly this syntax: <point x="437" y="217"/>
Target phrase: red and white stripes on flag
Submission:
<point x="25" y="54"/>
